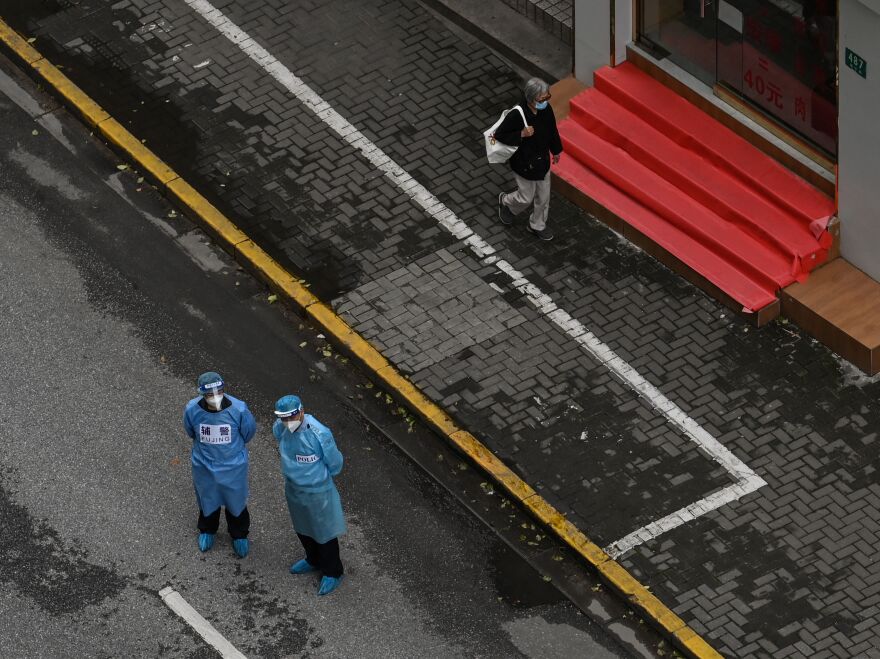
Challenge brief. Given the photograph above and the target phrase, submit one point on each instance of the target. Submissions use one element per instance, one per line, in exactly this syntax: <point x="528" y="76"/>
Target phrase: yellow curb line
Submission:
<point x="252" y="256"/>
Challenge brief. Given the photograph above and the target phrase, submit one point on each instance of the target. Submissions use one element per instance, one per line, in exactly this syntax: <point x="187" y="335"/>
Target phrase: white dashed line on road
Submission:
<point x="747" y="481"/>
<point x="193" y="618"/>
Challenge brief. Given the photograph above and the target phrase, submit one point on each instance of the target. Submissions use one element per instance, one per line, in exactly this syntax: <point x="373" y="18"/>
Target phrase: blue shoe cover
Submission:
<point x="206" y="541"/>
<point x="241" y="546"/>
<point x="328" y="585"/>
<point x="302" y="566"/>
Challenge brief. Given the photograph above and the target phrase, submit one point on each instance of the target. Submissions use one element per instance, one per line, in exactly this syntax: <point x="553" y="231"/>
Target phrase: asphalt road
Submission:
<point x="111" y="305"/>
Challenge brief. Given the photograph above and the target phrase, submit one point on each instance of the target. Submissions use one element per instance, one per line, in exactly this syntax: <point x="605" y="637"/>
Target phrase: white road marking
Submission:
<point x="688" y="513"/>
<point x="747" y="480"/>
<point x="205" y="629"/>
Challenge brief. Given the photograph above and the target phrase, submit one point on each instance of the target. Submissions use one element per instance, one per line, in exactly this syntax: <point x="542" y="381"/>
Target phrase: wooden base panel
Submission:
<point x="758" y="318"/>
<point x="839" y="305"/>
<point x="562" y="92"/>
<point x="834" y="231"/>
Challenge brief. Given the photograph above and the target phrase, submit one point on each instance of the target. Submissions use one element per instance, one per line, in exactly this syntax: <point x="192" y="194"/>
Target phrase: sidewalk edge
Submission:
<point x="295" y="292"/>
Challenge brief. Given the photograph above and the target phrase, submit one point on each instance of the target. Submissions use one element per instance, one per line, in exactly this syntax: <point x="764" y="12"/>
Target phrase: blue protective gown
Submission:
<point x="219" y="454"/>
<point x="309" y="461"/>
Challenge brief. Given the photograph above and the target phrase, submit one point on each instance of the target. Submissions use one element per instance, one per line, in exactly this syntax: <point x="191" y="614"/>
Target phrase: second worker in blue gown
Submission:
<point x="309" y="461"/>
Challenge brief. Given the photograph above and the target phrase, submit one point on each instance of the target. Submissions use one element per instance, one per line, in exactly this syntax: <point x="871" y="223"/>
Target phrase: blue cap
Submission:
<point x="288" y="406"/>
<point x="210" y="381"/>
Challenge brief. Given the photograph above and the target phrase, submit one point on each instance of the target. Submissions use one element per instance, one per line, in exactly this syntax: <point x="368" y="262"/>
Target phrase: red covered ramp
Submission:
<point x="689" y="184"/>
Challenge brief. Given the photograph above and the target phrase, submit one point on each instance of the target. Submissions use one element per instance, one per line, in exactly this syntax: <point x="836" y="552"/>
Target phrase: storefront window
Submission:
<point x="780" y="55"/>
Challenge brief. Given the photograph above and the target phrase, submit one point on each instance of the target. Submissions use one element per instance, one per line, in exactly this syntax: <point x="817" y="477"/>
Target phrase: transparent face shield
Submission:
<point x="214" y="398"/>
<point x="291" y="420"/>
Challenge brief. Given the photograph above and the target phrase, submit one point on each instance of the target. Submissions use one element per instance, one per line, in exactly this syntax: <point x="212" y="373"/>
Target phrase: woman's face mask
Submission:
<point x="292" y="424"/>
<point x="542" y="105"/>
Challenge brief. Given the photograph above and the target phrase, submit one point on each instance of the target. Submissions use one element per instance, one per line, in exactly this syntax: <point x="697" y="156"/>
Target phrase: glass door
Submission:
<point x="729" y="71"/>
<point x="779" y="56"/>
<point x="683" y="30"/>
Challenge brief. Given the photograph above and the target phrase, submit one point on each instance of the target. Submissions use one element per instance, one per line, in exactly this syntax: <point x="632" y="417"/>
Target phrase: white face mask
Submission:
<point x="292" y="424"/>
<point x="214" y="401"/>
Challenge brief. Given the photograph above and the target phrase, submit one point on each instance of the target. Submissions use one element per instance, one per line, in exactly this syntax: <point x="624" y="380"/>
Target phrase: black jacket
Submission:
<point x="532" y="158"/>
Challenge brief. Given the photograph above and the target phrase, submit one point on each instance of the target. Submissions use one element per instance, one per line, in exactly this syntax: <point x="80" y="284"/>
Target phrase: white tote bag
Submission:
<point x="496" y="151"/>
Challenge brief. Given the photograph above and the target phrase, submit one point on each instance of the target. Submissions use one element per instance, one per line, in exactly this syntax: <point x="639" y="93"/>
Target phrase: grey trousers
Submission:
<point x="529" y="193"/>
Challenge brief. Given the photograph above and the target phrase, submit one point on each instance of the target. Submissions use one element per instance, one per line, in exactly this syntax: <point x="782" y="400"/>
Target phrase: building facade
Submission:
<point x="803" y="73"/>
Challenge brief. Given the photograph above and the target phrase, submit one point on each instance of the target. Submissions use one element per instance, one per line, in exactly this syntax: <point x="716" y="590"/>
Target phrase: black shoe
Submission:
<point x="543" y="234"/>
<point x="504" y="214"/>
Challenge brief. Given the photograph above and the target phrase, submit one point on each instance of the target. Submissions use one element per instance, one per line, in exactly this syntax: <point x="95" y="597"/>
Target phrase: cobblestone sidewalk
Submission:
<point x="787" y="571"/>
<point x="555" y="16"/>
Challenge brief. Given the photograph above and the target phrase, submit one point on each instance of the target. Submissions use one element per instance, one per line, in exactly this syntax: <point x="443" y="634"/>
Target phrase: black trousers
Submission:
<point x="325" y="556"/>
<point x="238" y="526"/>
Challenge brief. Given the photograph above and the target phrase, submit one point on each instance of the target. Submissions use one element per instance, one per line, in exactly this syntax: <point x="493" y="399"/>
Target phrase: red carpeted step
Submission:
<point x="698" y="190"/>
<point x="714" y="188"/>
<point x="761" y="262"/>
<point x="692" y="129"/>
<point x="751" y="294"/>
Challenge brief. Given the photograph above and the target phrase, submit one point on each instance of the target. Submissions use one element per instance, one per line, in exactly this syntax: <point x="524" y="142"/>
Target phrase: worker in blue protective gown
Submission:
<point x="220" y="427"/>
<point x="309" y="461"/>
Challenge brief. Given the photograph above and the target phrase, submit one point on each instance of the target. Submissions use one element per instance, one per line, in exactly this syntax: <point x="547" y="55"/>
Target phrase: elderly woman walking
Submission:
<point x="536" y="140"/>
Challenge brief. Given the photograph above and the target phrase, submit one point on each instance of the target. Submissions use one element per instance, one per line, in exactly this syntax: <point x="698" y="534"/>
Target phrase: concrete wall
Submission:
<point x="859" y="139"/>
<point x="623" y="32"/>
<point x="592" y="35"/>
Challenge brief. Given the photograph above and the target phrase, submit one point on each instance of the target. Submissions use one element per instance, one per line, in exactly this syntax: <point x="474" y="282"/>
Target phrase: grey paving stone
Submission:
<point x="430" y="318"/>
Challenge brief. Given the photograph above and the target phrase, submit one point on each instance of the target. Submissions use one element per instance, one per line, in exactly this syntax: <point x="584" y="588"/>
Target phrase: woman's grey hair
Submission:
<point x="534" y="89"/>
